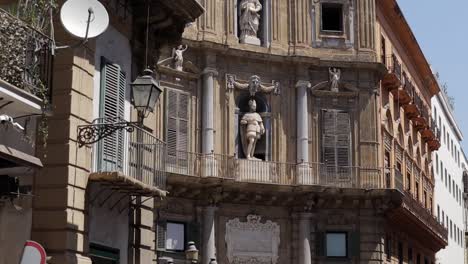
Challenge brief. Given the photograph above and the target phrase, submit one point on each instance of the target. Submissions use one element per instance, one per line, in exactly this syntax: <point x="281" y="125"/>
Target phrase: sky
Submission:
<point x="441" y="29"/>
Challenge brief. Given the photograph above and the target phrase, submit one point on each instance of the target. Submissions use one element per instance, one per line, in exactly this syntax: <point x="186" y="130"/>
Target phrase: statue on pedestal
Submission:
<point x="178" y="56"/>
<point x="335" y="76"/>
<point x="251" y="130"/>
<point x="250" y="21"/>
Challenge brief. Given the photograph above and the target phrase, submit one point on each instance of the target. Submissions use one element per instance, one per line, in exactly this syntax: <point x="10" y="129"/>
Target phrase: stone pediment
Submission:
<point x="252" y="242"/>
<point x="190" y="70"/>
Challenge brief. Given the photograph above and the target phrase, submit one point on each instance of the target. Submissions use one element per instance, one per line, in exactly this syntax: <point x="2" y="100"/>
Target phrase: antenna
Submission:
<point x="83" y="19"/>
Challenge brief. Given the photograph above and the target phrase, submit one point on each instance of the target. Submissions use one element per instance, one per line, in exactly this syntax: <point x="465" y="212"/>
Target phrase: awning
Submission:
<point x="10" y="157"/>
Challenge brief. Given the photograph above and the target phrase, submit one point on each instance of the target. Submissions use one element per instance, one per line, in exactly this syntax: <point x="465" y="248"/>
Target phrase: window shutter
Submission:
<point x="336" y="138"/>
<point x="329" y="157"/>
<point x="161" y="229"/>
<point x="354" y="244"/>
<point x="320" y="244"/>
<point x="194" y="233"/>
<point x="177" y="133"/>
<point x="113" y="86"/>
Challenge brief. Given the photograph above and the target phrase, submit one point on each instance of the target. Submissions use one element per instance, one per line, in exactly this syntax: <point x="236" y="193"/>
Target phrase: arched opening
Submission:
<point x="389" y="122"/>
<point x="263" y="145"/>
<point x="400" y="136"/>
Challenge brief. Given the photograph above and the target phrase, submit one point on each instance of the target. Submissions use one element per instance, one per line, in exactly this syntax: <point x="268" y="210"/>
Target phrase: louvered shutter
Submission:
<point x="177" y="133"/>
<point x="161" y="230"/>
<point x="112" y="107"/>
<point x="336" y="138"/>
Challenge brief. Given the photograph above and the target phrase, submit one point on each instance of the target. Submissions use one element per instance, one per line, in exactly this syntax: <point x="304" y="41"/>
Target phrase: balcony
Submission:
<point x="404" y="93"/>
<point x="432" y="136"/>
<point x="414" y="215"/>
<point x="130" y="160"/>
<point x="25" y="66"/>
<point x="269" y="172"/>
<point x="392" y="79"/>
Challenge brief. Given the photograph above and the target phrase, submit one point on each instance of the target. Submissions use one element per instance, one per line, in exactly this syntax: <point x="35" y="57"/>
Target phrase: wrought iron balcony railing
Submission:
<point x="26" y="58"/>
<point x="133" y="152"/>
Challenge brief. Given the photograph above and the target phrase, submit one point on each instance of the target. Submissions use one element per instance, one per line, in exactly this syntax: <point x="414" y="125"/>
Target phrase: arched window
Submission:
<point x="400" y="136"/>
<point x="409" y="147"/>
<point x="389" y="122"/>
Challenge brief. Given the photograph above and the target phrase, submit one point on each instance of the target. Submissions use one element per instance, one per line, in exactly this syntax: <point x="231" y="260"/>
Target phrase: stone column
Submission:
<point x="209" y="238"/>
<point x="302" y="122"/>
<point x="302" y="129"/>
<point x="207" y="110"/>
<point x="304" y="254"/>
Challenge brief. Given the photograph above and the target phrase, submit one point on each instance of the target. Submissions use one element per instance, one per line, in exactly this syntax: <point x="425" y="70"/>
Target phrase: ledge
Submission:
<point x="127" y="184"/>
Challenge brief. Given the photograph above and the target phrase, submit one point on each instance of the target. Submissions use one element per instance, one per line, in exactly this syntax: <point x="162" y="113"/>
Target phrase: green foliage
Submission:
<point x="35" y="13"/>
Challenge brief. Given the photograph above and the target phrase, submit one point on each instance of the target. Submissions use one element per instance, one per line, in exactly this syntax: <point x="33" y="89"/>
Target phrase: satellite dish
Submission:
<point x="84" y="18"/>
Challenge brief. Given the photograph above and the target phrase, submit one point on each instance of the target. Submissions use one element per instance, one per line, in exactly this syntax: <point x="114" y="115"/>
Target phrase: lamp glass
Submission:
<point x="145" y="92"/>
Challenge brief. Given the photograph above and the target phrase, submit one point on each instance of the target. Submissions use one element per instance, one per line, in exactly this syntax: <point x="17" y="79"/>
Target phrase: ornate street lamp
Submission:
<point x="191" y="254"/>
<point x="144" y="96"/>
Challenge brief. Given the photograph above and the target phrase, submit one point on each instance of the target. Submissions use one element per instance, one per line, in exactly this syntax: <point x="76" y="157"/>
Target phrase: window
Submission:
<point x="451" y="231"/>
<point x="173" y="236"/>
<point x="438" y="213"/>
<point x="103" y="255"/>
<point x="443" y="218"/>
<point x="336" y="244"/>
<point x="112" y="105"/>
<point x="425" y="199"/>
<point x="418" y="259"/>
<point x="336" y="138"/>
<point x="177" y="131"/>
<point x="383" y="50"/>
<point x="408" y="181"/>
<point x="437" y="163"/>
<point x="332" y="17"/>
<point x="441" y="171"/>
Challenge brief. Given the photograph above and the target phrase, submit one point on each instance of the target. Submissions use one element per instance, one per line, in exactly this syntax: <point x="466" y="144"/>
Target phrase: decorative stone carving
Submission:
<point x="250" y="21"/>
<point x="252" y="242"/>
<point x="254" y="85"/>
<point x="251" y="130"/>
<point x="178" y="57"/>
<point x="335" y="76"/>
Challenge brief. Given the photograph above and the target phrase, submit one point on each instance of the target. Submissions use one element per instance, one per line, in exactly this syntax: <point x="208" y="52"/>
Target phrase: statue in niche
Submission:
<point x="250" y="21"/>
<point x="178" y="57"/>
<point x="335" y="76"/>
<point x="252" y="130"/>
<point x="254" y="85"/>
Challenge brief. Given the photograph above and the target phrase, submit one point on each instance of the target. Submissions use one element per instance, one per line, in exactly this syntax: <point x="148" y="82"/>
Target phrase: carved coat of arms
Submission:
<point x="252" y="242"/>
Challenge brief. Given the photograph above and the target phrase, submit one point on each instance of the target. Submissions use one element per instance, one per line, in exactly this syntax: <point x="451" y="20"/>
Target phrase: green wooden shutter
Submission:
<point x="320" y="244"/>
<point x="161" y="229"/>
<point x="112" y="105"/>
<point x="336" y="138"/>
<point x="354" y="244"/>
<point x="193" y="233"/>
<point x="177" y="133"/>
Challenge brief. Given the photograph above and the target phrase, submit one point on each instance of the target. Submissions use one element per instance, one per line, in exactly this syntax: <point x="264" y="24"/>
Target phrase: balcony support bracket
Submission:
<point x="90" y="134"/>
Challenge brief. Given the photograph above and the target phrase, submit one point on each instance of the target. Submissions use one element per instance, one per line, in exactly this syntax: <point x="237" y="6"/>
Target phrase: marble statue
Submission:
<point x="254" y="85"/>
<point x="178" y="57"/>
<point x="252" y="130"/>
<point x="250" y="21"/>
<point x="335" y="75"/>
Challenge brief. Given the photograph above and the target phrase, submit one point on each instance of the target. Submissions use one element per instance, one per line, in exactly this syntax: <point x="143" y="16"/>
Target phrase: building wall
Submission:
<point x="448" y="166"/>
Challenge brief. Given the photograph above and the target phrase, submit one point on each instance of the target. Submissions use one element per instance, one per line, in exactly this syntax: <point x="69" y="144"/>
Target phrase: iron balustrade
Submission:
<point x="26" y="56"/>
<point x="134" y="152"/>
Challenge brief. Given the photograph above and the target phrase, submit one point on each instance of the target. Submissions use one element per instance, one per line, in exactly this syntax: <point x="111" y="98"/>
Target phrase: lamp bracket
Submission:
<point x="90" y="134"/>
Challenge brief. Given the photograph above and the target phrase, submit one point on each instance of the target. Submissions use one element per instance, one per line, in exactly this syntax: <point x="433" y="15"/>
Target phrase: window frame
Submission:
<point x="185" y="236"/>
<point x="346" y="244"/>
<point x="342" y="19"/>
